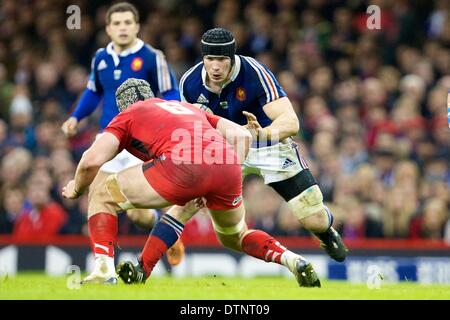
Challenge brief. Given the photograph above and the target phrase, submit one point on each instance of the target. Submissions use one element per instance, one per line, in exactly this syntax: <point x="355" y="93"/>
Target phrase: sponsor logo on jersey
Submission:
<point x="288" y="163"/>
<point x="237" y="200"/>
<point x="240" y="94"/>
<point x="137" y="64"/>
<point x="224" y="104"/>
<point x="102" y="65"/>
<point x="202" y="99"/>
<point x="117" y="74"/>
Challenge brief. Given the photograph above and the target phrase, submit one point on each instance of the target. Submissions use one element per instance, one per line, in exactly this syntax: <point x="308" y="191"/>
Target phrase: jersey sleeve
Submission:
<point x="120" y="127"/>
<point x="212" y="119"/>
<point x="88" y="102"/>
<point x="92" y="95"/>
<point x="93" y="82"/>
<point x="184" y="92"/>
<point x="266" y="85"/>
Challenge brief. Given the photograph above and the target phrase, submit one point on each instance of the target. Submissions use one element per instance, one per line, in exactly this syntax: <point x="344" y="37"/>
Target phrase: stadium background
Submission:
<point x="371" y="104"/>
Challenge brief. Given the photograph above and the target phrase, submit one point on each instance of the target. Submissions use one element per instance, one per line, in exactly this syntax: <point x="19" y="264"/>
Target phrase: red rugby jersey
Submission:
<point x="148" y="129"/>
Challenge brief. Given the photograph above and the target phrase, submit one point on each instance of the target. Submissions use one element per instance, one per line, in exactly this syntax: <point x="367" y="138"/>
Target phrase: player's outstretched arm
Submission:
<point x="89" y="100"/>
<point x="102" y="150"/>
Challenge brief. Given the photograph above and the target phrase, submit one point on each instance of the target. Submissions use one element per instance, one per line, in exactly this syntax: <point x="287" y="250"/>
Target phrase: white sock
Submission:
<point x="109" y="261"/>
<point x="288" y="259"/>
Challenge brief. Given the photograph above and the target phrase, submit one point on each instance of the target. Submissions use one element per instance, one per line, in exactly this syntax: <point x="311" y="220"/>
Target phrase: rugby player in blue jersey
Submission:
<point x="242" y="90"/>
<point x="126" y="56"/>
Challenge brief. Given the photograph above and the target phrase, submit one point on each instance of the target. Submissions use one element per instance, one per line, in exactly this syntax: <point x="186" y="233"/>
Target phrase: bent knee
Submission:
<point x="308" y="203"/>
<point x="239" y="228"/>
<point x="230" y="241"/>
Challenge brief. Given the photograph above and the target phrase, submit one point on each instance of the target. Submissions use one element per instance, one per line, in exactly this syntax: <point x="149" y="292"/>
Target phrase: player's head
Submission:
<point x="218" y="48"/>
<point x="132" y="91"/>
<point x="122" y="23"/>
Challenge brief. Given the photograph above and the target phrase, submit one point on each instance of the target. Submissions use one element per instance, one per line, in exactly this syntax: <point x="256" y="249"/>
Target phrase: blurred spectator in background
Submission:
<point x="372" y="103"/>
<point x="356" y="223"/>
<point x="431" y="222"/>
<point x="13" y="202"/>
<point x="41" y="216"/>
<point x="14" y="168"/>
<point x="399" y="207"/>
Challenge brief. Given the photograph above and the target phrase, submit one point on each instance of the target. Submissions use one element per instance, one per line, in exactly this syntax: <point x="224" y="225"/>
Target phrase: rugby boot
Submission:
<point x="131" y="274"/>
<point x="305" y="274"/>
<point x="333" y="244"/>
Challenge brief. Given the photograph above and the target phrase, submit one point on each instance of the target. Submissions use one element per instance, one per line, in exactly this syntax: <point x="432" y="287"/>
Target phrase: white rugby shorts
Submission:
<point x="275" y="163"/>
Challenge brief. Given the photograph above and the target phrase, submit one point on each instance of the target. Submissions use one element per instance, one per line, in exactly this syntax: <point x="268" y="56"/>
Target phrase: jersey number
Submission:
<point x="174" y="107"/>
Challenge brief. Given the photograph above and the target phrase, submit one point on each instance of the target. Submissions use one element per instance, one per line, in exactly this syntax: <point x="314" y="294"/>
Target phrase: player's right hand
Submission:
<point x="69" y="191"/>
<point x="252" y="124"/>
<point x="194" y="206"/>
<point x="70" y="127"/>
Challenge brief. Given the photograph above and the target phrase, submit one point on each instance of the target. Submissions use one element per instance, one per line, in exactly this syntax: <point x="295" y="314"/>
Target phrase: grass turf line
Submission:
<point x="39" y="286"/>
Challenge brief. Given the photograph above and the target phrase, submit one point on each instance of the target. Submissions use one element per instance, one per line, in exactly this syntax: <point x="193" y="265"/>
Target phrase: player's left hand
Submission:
<point x="69" y="191"/>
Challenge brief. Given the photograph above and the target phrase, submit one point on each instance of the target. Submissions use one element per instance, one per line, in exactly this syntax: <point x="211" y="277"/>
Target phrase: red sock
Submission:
<point x="153" y="251"/>
<point x="103" y="233"/>
<point x="260" y="245"/>
<point x="164" y="234"/>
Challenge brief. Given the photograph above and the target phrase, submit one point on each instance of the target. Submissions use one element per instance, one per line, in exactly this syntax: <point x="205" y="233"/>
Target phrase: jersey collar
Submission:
<point x="237" y="68"/>
<point x="110" y="50"/>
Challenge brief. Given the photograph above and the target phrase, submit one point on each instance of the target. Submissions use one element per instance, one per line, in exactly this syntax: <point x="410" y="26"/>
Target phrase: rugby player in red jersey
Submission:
<point x="191" y="158"/>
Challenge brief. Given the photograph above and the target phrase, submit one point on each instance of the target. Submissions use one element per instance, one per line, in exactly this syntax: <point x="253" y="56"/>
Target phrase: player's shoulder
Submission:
<point x="250" y="64"/>
<point x="100" y="53"/>
<point x="193" y="75"/>
<point x="98" y="56"/>
<point x="257" y="70"/>
<point x="152" y="51"/>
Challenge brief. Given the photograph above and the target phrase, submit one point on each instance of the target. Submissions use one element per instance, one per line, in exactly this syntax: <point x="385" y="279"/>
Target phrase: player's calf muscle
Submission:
<point x="318" y="222"/>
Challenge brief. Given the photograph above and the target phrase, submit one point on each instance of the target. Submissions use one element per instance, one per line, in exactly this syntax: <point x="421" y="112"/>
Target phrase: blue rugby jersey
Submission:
<point x="109" y="70"/>
<point x="250" y="88"/>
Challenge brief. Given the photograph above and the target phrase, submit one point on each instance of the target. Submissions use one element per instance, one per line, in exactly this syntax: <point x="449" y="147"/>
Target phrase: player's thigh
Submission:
<point x="99" y="199"/>
<point x="99" y="179"/>
<point x="137" y="190"/>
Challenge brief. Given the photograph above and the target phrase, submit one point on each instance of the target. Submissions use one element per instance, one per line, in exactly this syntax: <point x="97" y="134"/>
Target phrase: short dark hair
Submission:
<point x="122" y="7"/>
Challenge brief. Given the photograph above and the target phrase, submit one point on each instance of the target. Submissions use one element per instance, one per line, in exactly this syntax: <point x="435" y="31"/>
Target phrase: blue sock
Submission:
<point x="330" y="216"/>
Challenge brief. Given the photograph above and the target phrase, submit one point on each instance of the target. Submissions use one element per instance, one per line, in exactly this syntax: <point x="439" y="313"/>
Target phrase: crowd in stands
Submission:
<point x="371" y="104"/>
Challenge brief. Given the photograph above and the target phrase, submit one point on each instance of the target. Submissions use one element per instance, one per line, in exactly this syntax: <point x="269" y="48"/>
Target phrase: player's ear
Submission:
<point x="108" y="30"/>
<point x="138" y="27"/>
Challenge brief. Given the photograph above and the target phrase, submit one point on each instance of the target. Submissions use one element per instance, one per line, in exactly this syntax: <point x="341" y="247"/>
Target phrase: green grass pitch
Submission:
<point x="38" y="286"/>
